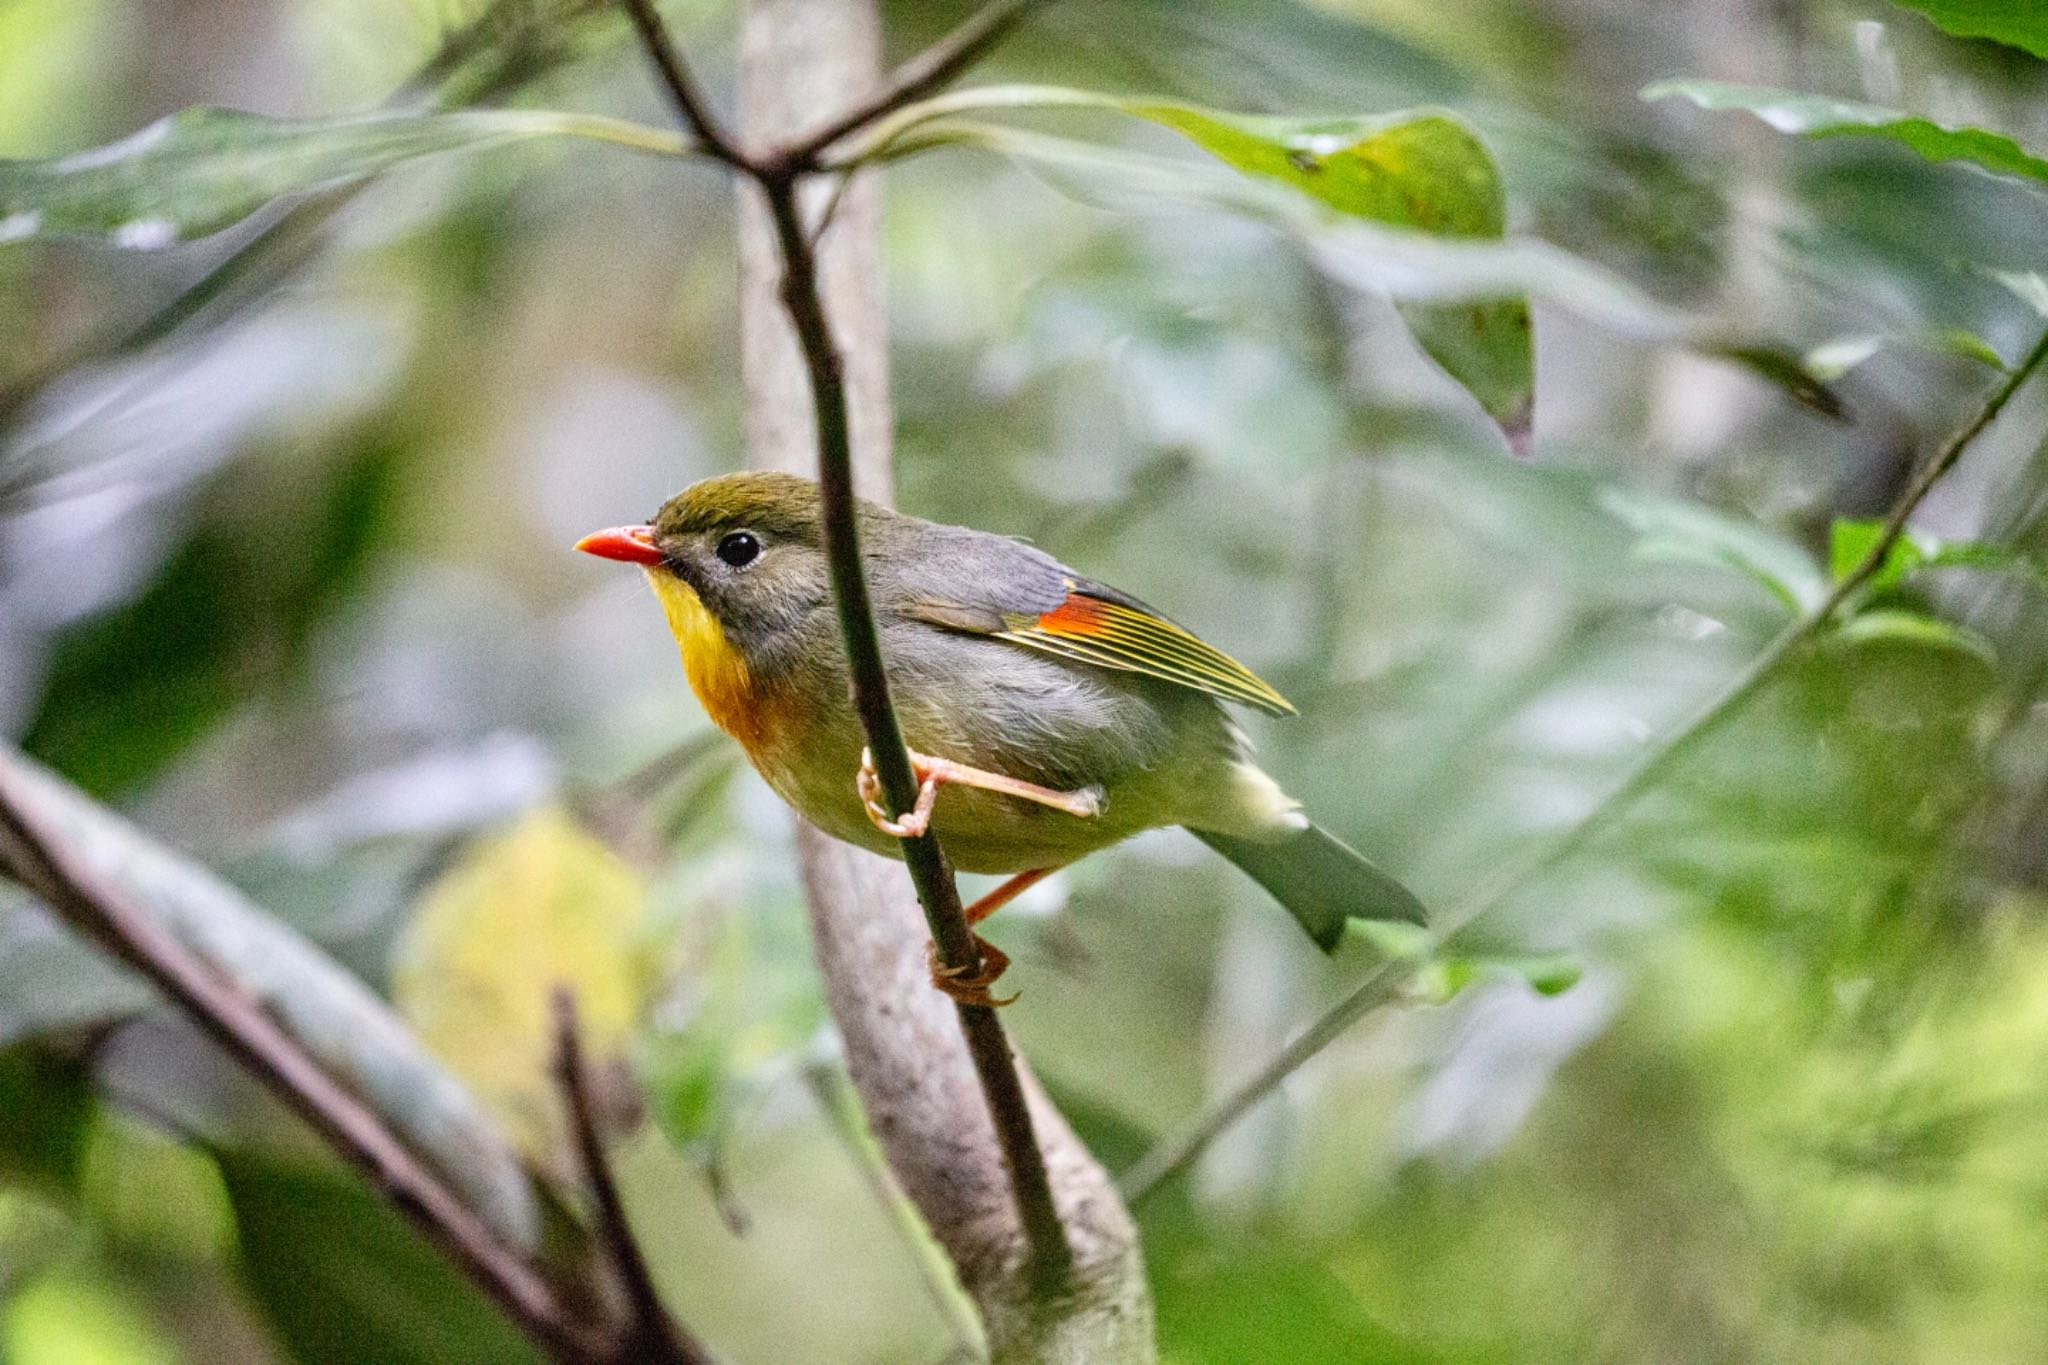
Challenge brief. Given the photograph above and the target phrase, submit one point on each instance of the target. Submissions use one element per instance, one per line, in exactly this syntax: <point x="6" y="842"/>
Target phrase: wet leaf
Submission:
<point x="1817" y="116"/>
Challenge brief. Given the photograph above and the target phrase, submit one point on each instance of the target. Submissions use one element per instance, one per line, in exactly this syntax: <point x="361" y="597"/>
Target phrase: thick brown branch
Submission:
<point x="652" y="1336"/>
<point x="89" y="902"/>
<point x="936" y="66"/>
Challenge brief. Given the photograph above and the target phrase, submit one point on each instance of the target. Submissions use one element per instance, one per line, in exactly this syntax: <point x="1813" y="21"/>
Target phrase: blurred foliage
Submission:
<point x="540" y="908"/>
<point x="291" y="585"/>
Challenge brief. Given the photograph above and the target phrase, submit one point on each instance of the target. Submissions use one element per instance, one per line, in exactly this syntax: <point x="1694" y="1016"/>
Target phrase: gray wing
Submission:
<point x="976" y="583"/>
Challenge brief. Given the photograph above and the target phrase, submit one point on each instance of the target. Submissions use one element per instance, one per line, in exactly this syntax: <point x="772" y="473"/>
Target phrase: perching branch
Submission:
<point x="929" y="870"/>
<point x="652" y="1336"/>
<point x="779" y="177"/>
<point x="1388" y="981"/>
<point x="91" y="903"/>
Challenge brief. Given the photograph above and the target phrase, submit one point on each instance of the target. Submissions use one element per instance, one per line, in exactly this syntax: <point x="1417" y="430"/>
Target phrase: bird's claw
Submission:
<point x="968" y="985"/>
<point x="912" y="823"/>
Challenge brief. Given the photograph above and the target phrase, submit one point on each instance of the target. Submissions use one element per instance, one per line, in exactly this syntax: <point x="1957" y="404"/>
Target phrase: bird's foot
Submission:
<point x="968" y="985"/>
<point x="913" y="822"/>
<point x="1084" y="804"/>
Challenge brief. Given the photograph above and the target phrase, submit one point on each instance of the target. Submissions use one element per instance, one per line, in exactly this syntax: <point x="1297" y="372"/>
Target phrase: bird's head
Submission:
<point x="741" y="551"/>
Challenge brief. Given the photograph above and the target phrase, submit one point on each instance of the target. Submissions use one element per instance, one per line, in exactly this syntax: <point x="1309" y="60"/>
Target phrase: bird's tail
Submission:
<point x="1321" y="880"/>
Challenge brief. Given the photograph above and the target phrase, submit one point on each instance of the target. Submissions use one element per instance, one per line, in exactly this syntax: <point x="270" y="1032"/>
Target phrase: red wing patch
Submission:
<point x="1112" y="635"/>
<point x="1078" y="615"/>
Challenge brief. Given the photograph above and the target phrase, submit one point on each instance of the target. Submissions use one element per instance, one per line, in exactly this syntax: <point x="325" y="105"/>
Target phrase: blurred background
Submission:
<point x="293" y="590"/>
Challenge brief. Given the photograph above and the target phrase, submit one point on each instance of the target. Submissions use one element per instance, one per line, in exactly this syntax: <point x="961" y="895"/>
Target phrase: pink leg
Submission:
<point x="933" y="771"/>
<point x="1007" y="892"/>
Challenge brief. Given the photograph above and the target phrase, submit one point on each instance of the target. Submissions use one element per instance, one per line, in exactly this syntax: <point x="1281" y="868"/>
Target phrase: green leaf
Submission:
<point x="1673" y="531"/>
<point x="2016" y="23"/>
<point x="1547" y="974"/>
<point x="343" y="1279"/>
<point x="1795" y="374"/>
<point x="203" y="169"/>
<point x="1833" y="359"/>
<point x="1850" y="541"/>
<point x="46" y="1116"/>
<point x="1390" y="938"/>
<point x="1916" y="629"/>
<point x="1962" y="342"/>
<point x="67" y="1316"/>
<point x="1408" y="266"/>
<point x="1438" y="978"/>
<point x="1422" y="170"/>
<point x="1817" y="116"/>
<point x="1976" y="554"/>
<point x="52" y="982"/>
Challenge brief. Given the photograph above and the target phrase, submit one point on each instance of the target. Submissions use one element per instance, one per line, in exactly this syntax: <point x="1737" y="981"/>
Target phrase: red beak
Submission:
<point x="632" y="544"/>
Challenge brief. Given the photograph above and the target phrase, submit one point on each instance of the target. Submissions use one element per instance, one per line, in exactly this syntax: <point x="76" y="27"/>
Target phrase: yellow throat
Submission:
<point x="717" y="672"/>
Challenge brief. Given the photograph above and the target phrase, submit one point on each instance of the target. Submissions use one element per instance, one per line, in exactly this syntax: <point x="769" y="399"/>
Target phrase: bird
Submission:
<point x="1047" y="715"/>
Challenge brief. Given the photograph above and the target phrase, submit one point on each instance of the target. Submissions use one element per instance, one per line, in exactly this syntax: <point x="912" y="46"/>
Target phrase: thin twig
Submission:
<point x="837" y="196"/>
<point x="653" y="1335"/>
<point x="922" y="74"/>
<point x="777" y="175"/>
<point x="1388" y="981"/>
<point x="691" y="107"/>
<point x="91" y="903"/>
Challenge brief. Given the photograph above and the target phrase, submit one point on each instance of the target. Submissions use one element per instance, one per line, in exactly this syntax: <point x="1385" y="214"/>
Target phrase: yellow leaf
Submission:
<point x="543" y="905"/>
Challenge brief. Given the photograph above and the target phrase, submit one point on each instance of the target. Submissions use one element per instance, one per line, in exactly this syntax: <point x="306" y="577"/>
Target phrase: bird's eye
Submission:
<point x="739" y="549"/>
